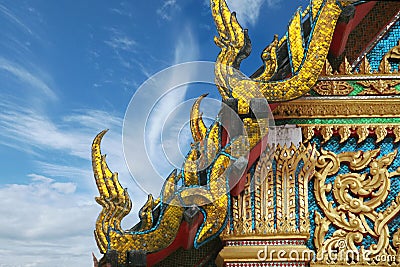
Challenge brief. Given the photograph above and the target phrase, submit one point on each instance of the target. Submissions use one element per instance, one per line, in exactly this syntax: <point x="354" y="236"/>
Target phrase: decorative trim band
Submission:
<point x="264" y="243"/>
<point x="360" y="77"/>
<point x="338" y="108"/>
<point x="380" y="131"/>
<point x="266" y="264"/>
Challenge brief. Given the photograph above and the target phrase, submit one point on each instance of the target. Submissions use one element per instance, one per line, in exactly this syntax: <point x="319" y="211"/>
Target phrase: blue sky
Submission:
<point x="68" y="69"/>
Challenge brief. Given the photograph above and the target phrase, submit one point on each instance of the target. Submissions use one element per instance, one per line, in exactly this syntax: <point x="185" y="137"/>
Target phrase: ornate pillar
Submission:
<point x="269" y="221"/>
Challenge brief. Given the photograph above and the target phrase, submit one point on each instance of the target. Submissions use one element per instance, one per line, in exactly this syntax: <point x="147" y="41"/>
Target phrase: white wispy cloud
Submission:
<point x="248" y="11"/>
<point x="81" y="174"/>
<point x="15" y="20"/>
<point x="49" y="219"/>
<point x="33" y="132"/>
<point x="122" y="42"/>
<point x="186" y="49"/>
<point x="167" y="10"/>
<point x="27" y="77"/>
<point x="72" y="135"/>
<point x="150" y="107"/>
<point x="122" y="12"/>
<point x="123" y="47"/>
<point x="63" y="188"/>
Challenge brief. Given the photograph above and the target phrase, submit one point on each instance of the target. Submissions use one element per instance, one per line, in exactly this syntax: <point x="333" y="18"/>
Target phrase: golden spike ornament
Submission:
<point x="197" y="126"/>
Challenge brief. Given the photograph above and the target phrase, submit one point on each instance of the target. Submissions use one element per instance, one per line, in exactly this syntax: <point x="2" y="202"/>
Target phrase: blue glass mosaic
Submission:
<point x="383" y="46"/>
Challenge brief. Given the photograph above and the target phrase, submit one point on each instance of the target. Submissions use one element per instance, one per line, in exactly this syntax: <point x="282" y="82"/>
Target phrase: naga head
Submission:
<point x="292" y="63"/>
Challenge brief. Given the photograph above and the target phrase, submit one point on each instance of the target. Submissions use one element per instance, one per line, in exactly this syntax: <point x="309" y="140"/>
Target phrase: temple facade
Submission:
<point x="309" y="175"/>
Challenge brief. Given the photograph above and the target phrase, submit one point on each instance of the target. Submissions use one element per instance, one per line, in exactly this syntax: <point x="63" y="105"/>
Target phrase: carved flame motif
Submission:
<point x="353" y="212"/>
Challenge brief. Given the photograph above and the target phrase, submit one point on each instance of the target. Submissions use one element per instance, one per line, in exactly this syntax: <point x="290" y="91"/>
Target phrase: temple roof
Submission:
<point x="357" y="85"/>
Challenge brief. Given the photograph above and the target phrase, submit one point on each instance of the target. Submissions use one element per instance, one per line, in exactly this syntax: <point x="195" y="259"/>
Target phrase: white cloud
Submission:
<point x="64" y="188"/>
<point x="94" y="119"/>
<point x="248" y="11"/>
<point x="27" y="77"/>
<point x="40" y="178"/>
<point x="44" y="224"/>
<point x="273" y="3"/>
<point x="167" y="10"/>
<point x="33" y="132"/>
<point x="49" y="220"/>
<point x="58" y="170"/>
<point x="14" y="19"/>
<point x="122" y="46"/>
<point x="186" y="49"/>
<point x="123" y="11"/>
<point x="122" y="42"/>
<point x="36" y="130"/>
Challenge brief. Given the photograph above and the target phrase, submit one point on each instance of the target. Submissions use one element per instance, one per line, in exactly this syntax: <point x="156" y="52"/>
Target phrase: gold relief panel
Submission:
<point x="354" y="210"/>
<point x="379" y="86"/>
<point x="345" y="81"/>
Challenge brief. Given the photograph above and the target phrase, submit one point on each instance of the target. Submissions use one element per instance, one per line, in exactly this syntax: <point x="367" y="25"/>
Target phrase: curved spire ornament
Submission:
<point x="197" y="126"/>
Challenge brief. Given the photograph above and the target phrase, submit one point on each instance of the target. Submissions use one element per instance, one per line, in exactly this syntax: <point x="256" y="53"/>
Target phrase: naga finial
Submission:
<point x="307" y="54"/>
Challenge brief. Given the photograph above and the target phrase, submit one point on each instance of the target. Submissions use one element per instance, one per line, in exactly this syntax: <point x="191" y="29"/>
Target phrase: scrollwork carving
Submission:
<point x="353" y="211"/>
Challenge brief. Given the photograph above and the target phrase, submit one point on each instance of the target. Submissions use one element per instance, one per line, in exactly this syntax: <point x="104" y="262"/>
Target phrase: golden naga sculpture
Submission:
<point x="153" y="234"/>
<point x="307" y="56"/>
<point x="206" y="172"/>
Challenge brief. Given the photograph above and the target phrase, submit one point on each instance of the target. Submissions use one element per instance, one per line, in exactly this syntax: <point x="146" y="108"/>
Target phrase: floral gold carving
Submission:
<point x="344" y="133"/>
<point x="345" y="67"/>
<point x="362" y="132"/>
<point x="365" y="67"/>
<point x="379" y="86"/>
<point x="339" y="82"/>
<point x="384" y="66"/>
<point x="396" y="131"/>
<point x="381" y="133"/>
<point x="353" y="211"/>
<point x="326" y="132"/>
<point x="308" y="133"/>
